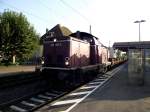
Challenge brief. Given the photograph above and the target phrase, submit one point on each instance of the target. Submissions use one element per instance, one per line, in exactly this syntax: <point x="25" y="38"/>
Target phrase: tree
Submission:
<point x="17" y="37"/>
<point x="118" y="54"/>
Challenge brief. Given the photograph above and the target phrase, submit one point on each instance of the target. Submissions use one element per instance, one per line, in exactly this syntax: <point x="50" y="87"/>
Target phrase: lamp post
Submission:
<point x="139" y="22"/>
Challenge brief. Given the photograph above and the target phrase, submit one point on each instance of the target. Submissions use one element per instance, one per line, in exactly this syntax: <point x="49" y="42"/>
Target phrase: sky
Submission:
<point x="111" y="20"/>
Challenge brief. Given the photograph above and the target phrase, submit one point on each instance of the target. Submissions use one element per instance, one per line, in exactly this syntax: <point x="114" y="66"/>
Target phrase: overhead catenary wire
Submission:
<point x="29" y="13"/>
<point x="75" y="10"/>
<point x="50" y="9"/>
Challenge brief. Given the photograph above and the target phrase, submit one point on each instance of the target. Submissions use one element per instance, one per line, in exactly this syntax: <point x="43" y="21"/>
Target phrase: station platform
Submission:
<point x="113" y="95"/>
<point x="4" y="70"/>
<point x="117" y="96"/>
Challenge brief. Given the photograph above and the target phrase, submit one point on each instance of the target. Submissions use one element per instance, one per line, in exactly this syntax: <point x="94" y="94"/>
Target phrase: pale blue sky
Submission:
<point x="111" y="20"/>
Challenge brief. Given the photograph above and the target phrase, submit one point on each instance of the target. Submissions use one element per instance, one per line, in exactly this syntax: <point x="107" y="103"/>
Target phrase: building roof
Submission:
<point x="131" y="45"/>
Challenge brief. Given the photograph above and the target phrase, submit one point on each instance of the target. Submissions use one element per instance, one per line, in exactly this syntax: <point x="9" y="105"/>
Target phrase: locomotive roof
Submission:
<point x="83" y="34"/>
<point x="88" y="35"/>
<point x="56" y="31"/>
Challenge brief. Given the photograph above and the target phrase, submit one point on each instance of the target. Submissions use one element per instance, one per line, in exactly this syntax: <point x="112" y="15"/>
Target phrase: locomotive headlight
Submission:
<point x="54" y="39"/>
<point x="67" y="61"/>
<point x="42" y="62"/>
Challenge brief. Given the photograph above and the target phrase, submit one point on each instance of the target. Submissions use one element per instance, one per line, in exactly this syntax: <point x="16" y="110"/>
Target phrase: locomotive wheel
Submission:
<point x="65" y="79"/>
<point x="104" y="69"/>
<point x="62" y="75"/>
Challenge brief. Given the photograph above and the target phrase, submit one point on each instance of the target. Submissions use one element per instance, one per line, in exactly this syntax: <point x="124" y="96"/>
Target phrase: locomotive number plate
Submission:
<point x="55" y="44"/>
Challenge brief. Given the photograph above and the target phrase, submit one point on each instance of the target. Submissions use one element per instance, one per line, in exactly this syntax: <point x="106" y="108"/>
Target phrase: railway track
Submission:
<point x="26" y="92"/>
<point x="34" y="102"/>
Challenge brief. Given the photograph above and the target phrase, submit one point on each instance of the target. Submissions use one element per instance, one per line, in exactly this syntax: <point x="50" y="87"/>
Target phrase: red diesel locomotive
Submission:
<point x="75" y="58"/>
<point x="72" y="58"/>
<point x="79" y="50"/>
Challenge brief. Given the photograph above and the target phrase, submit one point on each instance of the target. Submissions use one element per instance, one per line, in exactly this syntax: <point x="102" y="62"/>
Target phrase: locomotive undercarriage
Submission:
<point x="65" y="78"/>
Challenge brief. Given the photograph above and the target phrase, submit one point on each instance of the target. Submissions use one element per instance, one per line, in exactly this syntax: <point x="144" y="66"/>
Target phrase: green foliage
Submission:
<point x="118" y="54"/>
<point x="124" y="56"/>
<point x="17" y="36"/>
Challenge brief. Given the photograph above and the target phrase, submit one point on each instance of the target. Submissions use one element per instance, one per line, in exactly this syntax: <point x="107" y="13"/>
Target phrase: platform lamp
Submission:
<point x="139" y="22"/>
<point x="141" y="54"/>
